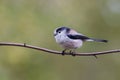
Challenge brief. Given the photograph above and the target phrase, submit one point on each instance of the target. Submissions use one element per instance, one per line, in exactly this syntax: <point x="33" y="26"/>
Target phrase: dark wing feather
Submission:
<point x="82" y="37"/>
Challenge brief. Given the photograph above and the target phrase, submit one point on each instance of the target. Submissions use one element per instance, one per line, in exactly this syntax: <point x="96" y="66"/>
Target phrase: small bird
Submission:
<point x="70" y="39"/>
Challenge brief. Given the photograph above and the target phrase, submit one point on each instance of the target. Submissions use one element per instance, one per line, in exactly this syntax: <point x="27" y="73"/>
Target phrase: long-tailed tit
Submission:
<point x="69" y="39"/>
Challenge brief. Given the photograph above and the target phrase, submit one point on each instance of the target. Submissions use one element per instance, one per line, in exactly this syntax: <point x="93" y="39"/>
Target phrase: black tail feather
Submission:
<point x="100" y="40"/>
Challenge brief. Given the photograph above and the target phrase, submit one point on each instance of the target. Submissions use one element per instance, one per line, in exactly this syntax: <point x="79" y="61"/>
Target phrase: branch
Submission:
<point x="57" y="52"/>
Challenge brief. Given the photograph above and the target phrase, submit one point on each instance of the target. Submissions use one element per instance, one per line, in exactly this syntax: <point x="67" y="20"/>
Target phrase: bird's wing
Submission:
<point x="77" y="36"/>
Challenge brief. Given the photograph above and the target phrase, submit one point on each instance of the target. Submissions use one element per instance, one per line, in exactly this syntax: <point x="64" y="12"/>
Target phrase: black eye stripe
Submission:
<point x="59" y="29"/>
<point x="62" y="28"/>
<point x="67" y="30"/>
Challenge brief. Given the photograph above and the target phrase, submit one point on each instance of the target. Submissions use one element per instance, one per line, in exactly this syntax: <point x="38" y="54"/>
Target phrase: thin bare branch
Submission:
<point x="57" y="52"/>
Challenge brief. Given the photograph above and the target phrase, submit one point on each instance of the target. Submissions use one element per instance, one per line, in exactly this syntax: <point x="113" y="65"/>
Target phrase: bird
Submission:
<point x="70" y="39"/>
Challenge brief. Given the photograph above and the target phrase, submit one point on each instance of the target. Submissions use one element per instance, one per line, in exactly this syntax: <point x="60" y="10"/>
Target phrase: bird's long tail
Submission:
<point x="97" y="40"/>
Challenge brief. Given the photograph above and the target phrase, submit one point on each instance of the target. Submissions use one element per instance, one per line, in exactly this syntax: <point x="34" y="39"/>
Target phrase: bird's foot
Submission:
<point x="72" y="53"/>
<point x="63" y="52"/>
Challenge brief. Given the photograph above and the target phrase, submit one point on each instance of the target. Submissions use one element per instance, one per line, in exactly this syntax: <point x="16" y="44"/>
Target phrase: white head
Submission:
<point x="61" y="31"/>
<point x="60" y="34"/>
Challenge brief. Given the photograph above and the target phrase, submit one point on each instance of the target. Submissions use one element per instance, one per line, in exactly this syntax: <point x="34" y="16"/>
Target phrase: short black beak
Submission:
<point x="55" y="34"/>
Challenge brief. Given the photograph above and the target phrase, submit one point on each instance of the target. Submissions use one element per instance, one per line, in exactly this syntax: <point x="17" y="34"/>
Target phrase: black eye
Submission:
<point x="59" y="32"/>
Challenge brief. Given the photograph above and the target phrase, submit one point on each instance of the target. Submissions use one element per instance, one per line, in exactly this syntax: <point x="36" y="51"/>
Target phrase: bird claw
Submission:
<point x="72" y="53"/>
<point x="63" y="52"/>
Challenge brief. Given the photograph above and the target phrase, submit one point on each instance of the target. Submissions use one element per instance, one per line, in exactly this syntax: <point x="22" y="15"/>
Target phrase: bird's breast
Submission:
<point x="68" y="43"/>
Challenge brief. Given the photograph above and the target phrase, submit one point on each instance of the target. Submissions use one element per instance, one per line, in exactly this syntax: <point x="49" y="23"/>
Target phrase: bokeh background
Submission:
<point x="33" y="22"/>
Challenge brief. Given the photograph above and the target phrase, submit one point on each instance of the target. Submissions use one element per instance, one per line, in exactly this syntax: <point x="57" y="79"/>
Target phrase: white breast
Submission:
<point x="68" y="43"/>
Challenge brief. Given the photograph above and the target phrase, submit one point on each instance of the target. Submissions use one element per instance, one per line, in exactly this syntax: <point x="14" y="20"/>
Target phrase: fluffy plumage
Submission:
<point x="70" y="39"/>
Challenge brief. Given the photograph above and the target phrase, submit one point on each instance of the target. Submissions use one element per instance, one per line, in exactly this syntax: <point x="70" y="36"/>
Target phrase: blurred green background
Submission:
<point x="33" y="22"/>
